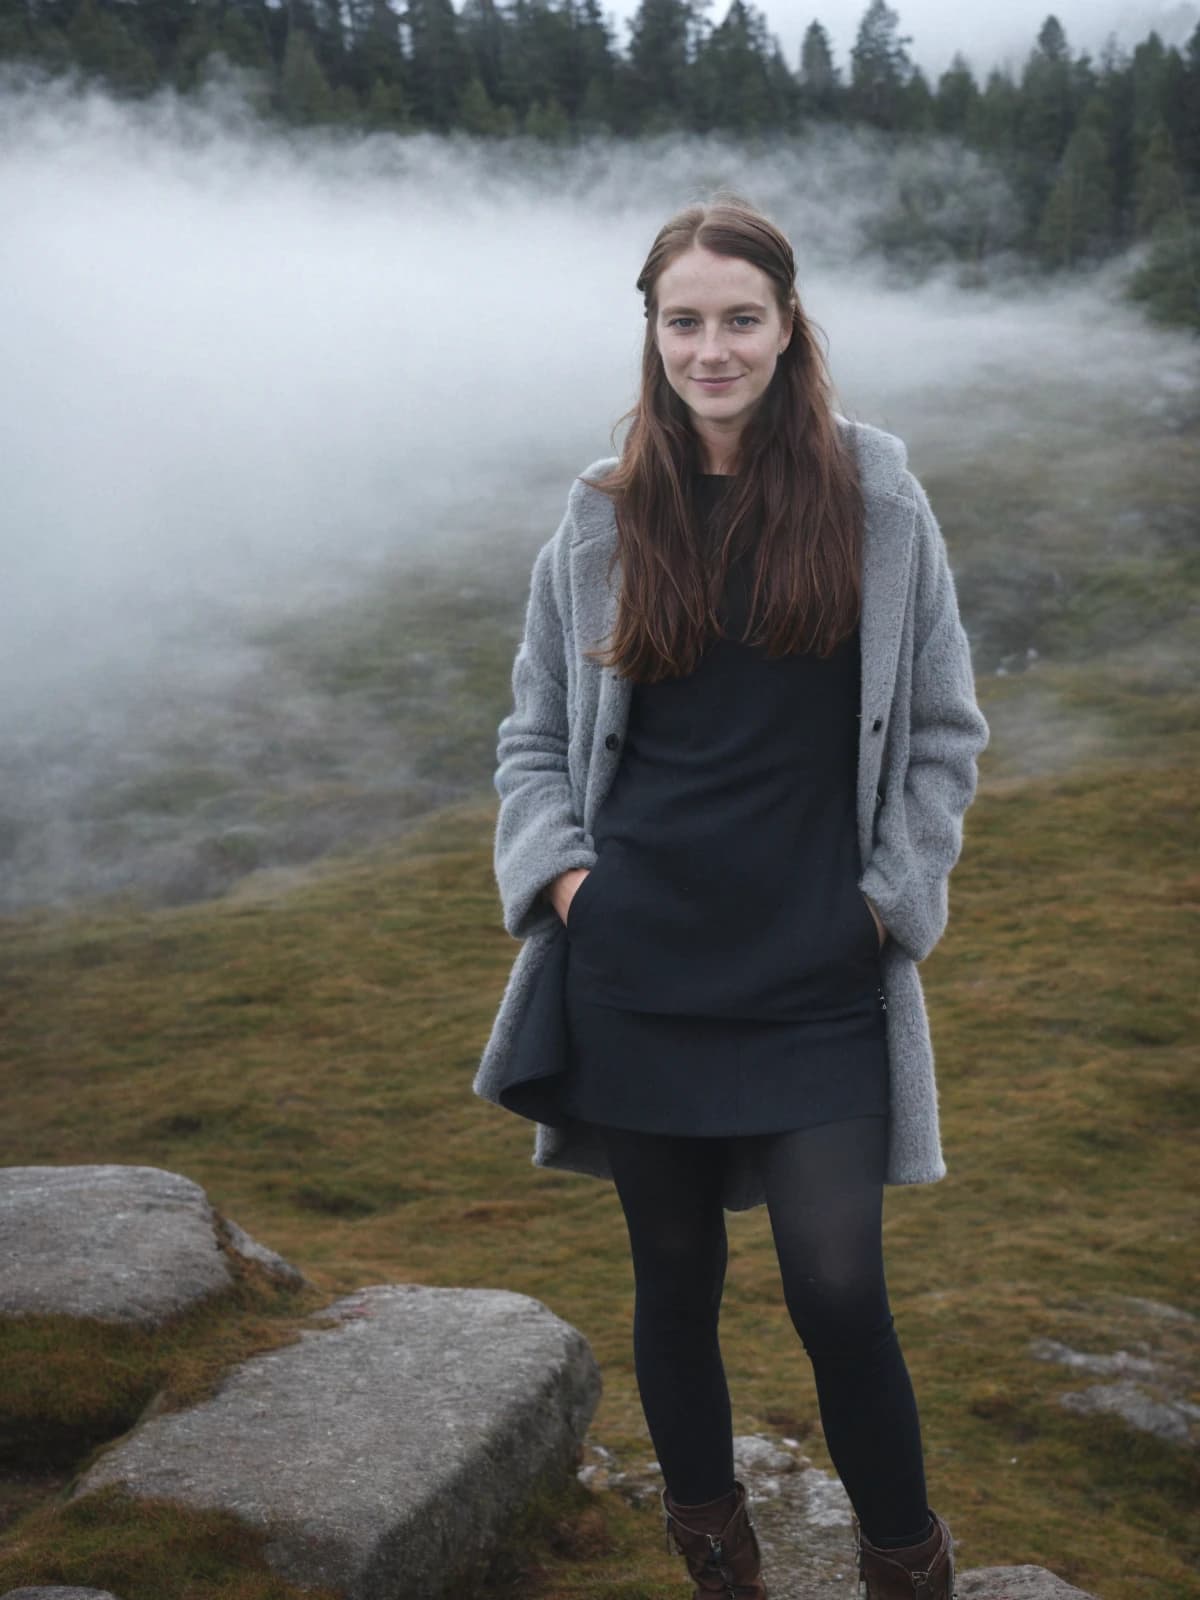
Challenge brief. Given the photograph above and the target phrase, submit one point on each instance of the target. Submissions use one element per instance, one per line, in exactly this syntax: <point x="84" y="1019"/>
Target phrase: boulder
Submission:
<point x="1015" y="1583"/>
<point x="387" y="1450"/>
<point x="56" y="1593"/>
<point x="119" y="1243"/>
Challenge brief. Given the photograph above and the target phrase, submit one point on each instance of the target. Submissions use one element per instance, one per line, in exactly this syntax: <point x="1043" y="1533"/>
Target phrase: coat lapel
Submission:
<point x="887" y="552"/>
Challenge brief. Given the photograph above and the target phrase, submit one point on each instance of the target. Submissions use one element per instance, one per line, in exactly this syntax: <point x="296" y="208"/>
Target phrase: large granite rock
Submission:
<point x="386" y="1450"/>
<point x="123" y="1244"/>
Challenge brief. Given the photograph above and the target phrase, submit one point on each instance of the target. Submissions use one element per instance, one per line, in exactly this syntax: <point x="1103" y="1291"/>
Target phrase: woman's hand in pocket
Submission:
<point x="881" y="930"/>
<point x="564" y="889"/>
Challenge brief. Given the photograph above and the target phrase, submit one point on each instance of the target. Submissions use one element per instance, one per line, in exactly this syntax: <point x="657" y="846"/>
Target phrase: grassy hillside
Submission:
<point x="306" y="1053"/>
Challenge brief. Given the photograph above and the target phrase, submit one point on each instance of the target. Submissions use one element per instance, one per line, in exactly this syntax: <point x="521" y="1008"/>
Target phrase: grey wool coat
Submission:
<point x="920" y="733"/>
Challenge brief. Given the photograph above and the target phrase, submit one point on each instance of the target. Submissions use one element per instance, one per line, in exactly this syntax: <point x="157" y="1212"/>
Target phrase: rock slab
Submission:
<point x="802" y="1518"/>
<point x="386" y="1451"/>
<point x="58" y="1593"/>
<point x="123" y="1244"/>
<point x="1015" y="1583"/>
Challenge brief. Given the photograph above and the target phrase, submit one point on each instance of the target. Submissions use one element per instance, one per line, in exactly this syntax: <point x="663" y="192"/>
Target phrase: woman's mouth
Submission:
<point x="717" y="383"/>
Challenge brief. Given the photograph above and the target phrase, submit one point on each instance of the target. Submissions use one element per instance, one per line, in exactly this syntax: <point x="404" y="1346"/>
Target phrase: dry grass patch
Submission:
<point x="308" y="1058"/>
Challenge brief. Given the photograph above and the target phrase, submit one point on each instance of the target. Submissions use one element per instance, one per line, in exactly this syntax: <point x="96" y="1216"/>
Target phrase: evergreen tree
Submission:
<point x="820" y="80"/>
<point x="583" y="54"/>
<point x="197" y="45"/>
<point x="304" y="93"/>
<point x="1115" y="89"/>
<point x="1047" y="111"/>
<point x="159" y="28"/>
<point x="1168" y="284"/>
<point x="1184" y="116"/>
<point x="595" y="54"/>
<point x="476" y="113"/>
<point x="1159" y="192"/>
<point x="387" y="107"/>
<point x="16" y="34"/>
<point x="916" y="106"/>
<point x="1076" y="223"/>
<point x="994" y="119"/>
<point x="438" y="66"/>
<point x="880" y="67"/>
<point x="244" y="20"/>
<point x="101" y="45"/>
<point x="512" y="87"/>
<point x="546" y="120"/>
<point x="783" y="89"/>
<point x="548" y="46"/>
<point x="1046" y="121"/>
<point x="596" y="113"/>
<point x="374" y="52"/>
<point x="212" y="37"/>
<point x="663" y="42"/>
<point x="957" y="97"/>
<point x="733" y="71"/>
<point x="1148" y="74"/>
<point x="482" y="27"/>
<point x="1084" y="86"/>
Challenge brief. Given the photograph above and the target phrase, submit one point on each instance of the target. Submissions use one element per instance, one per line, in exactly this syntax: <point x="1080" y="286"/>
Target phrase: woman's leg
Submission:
<point x="670" y="1192"/>
<point x="824" y="1189"/>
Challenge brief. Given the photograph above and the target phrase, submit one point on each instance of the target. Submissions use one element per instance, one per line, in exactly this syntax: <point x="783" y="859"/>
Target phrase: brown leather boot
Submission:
<point x="922" y="1571"/>
<point x="719" y="1544"/>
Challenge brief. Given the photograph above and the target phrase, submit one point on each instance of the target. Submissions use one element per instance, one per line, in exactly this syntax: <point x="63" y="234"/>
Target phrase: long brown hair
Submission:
<point x="796" y="481"/>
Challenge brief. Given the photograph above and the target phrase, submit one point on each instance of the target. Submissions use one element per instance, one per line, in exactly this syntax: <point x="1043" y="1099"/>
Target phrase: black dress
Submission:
<point x="723" y="970"/>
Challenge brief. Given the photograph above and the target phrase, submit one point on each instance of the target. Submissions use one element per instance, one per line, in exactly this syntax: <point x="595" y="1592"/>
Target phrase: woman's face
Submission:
<point x="717" y="319"/>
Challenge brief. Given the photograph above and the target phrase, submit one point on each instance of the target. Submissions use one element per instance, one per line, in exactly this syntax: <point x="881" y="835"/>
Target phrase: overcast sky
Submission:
<point x="986" y="35"/>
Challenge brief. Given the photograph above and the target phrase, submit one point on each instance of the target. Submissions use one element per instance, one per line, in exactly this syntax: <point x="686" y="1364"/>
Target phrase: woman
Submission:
<point x="732" y="786"/>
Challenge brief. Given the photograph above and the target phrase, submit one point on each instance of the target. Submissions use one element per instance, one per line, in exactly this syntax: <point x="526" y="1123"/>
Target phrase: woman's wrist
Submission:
<point x="560" y="891"/>
<point x="882" y="931"/>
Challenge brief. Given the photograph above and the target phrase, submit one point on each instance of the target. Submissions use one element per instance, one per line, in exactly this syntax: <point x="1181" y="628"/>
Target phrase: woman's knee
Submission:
<point x="839" y="1311"/>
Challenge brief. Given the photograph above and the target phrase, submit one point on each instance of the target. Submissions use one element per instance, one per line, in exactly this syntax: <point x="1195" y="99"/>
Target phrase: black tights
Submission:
<point x="824" y="1189"/>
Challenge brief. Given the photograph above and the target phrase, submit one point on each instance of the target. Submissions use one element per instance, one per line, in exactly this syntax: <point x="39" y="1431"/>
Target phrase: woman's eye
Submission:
<point x="743" y="316"/>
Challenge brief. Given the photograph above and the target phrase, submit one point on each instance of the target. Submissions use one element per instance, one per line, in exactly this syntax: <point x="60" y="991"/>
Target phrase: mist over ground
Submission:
<point x="288" y="416"/>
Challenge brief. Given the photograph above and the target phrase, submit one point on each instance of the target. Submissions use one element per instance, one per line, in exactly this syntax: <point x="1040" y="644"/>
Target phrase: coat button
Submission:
<point x="877" y="724"/>
<point x="611" y="742"/>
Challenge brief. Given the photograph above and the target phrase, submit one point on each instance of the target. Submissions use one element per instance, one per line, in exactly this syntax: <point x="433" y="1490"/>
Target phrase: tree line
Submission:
<point x="1099" y="154"/>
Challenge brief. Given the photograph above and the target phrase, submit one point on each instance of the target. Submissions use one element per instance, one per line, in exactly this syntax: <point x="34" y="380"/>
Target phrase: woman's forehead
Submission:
<point x="700" y="274"/>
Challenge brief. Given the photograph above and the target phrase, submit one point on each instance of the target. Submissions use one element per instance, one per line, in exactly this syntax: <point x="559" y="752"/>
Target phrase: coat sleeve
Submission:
<point x="538" y="834"/>
<point x="919" y="842"/>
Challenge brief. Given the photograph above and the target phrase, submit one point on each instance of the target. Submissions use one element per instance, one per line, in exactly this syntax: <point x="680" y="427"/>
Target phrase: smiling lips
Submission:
<point x="717" y="383"/>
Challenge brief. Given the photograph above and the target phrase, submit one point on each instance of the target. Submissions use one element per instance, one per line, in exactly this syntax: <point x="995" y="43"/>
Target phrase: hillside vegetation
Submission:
<point x="307" y="1056"/>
